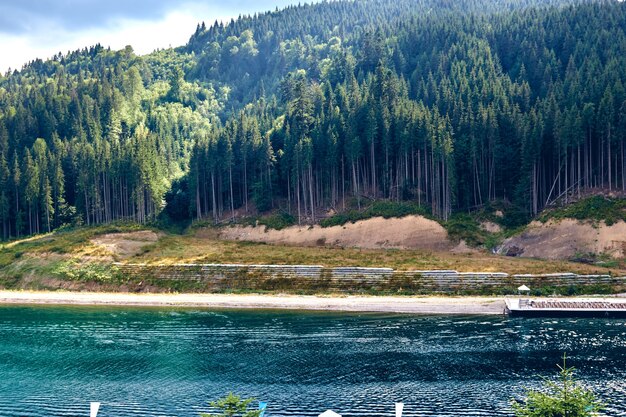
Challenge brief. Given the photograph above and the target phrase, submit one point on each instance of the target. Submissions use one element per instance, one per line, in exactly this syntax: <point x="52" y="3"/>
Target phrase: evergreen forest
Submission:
<point x="448" y="104"/>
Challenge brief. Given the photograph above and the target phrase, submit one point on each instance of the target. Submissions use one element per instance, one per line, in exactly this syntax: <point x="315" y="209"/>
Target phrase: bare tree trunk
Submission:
<point x="198" y="207"/>
<point x="47" y="216"/>
<point x="232" y="202"/>
<point x="566" y="175"/>
<point x="578" y="173"/>
<point x="419" y="179"/>
<point x="289" y="193"/>
<point x="601" y="156"/>
<point x="311" y="193"/>
<point x="355" y="185"/>
<point x="534" y="189"/>
<point x="214" y="202"/>
<point x="373" y="168"/>
<point x="608" y="155"/>
<point x="17" y="212"/>
<point x="298" y="198"/>
<point x="425" y="173"/>
<point x="245" y="183"/>
<point x="86" y="206"/>
<point x="623" y="167"/>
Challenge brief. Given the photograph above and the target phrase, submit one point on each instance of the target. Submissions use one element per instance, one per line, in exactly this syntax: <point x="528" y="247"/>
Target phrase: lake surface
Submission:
<point x="170" y="362"/>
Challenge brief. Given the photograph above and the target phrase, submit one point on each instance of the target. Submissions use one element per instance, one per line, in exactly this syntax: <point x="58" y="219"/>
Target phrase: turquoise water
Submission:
<point x="169" y="362"/>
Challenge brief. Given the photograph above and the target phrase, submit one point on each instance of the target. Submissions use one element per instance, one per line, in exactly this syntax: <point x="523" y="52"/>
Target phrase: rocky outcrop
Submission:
<point x="566" y="239"/>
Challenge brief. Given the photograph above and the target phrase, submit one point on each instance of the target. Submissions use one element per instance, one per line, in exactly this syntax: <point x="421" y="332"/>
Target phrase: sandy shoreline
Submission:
<point x="415" y="305"/>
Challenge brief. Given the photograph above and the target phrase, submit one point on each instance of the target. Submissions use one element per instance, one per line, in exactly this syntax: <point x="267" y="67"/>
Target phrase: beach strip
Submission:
<point x="383" y="304"/>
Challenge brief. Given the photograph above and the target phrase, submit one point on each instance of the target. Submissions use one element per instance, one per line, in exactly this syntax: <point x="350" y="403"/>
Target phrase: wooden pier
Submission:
<point x="523" y="307"/>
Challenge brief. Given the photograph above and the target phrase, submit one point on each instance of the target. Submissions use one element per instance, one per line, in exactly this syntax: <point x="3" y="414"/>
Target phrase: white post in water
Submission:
<point x="399" y="408"/>
<point x="94" y="407"/>
<point x="329" y="413"/>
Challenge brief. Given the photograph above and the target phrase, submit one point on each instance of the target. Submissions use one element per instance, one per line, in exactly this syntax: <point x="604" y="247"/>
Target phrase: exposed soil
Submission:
<point x="490" y="227"/>
<point x="411" y="232"/>
<point x="567" y="238"/>
<point x="463" y="248"/>
<point x="125" y="245"/>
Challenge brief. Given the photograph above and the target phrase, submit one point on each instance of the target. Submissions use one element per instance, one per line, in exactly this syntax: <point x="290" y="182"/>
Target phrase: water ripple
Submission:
<point x="170" y="362"/>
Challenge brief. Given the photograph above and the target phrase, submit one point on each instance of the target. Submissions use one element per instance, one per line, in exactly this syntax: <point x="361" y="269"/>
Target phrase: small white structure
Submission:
<point x="523" y="289"/>
<point x="399" y="408"/>
<point x="329" y="413"/>
<point x="93" y="409"/>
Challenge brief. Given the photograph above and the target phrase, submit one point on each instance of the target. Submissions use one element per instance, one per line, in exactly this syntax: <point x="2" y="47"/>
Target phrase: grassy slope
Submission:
<point x="46" y="261"/>
<point x="36" y="262"/>
<point x="594" y="209"/>
<point x="189" y="248"/>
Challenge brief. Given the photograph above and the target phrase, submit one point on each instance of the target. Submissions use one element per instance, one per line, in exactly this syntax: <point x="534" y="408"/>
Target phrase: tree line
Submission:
<point x="94" y="137"/>
<point x="452" y="110"/>
<point x="448" y="104"/>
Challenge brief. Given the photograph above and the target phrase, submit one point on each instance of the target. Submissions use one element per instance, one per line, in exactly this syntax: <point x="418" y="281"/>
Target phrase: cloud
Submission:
<point x="31" y="29"/>
<point x="24" y="16"/>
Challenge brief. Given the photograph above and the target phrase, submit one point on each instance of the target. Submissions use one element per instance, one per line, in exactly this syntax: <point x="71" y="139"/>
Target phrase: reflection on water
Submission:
<point x="164" y="362"/>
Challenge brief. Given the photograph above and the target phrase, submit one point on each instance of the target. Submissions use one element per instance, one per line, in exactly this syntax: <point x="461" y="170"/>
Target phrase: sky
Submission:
<point x="32" y="29"/>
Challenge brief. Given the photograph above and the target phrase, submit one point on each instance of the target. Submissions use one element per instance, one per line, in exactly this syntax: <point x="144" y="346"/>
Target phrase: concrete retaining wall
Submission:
<point x="221" y="277"/>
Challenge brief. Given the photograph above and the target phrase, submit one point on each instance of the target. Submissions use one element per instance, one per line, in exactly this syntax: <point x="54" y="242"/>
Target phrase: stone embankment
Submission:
<point x="224" y="277"/>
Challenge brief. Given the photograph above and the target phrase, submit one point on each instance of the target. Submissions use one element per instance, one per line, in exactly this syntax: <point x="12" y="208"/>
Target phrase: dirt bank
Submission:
<point x="411" y="232"/>
<point x="565" y="239"/>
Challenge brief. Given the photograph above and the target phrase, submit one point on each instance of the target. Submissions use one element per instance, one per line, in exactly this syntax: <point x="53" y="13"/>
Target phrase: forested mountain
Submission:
<point x="448" y="103"/>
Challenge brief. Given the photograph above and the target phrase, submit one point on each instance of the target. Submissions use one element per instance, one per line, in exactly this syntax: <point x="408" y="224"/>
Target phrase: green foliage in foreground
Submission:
<point x="465" y="227"/>
<point x="382" y="208"/>
<point x="565" y="398"/>
<point x="277" y="221"/>
<point x="597" y="208"/>
<point x="73" y="270"/>
<point x="233" y="406"/>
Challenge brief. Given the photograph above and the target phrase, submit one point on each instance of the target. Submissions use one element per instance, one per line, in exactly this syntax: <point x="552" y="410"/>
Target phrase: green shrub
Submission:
<point x="233" y="406"/>
<point x="511" y="216"/>
<point x="566" y="397"/>
<point x="514" y="217"/>
<point x="277" y="221"/>
<point x="340" y="219"/>
<point x="596" y="208"/>
<point x="464" y="227"/>
<point x="201" y="224"/>
<point x="382" y="208"/>
<point x="493" y="240"/>
<point x="90" y="272"/>
<point x="600" y="259"/>
<point x="59" y="249"/>
<point x="262" y="196"/>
